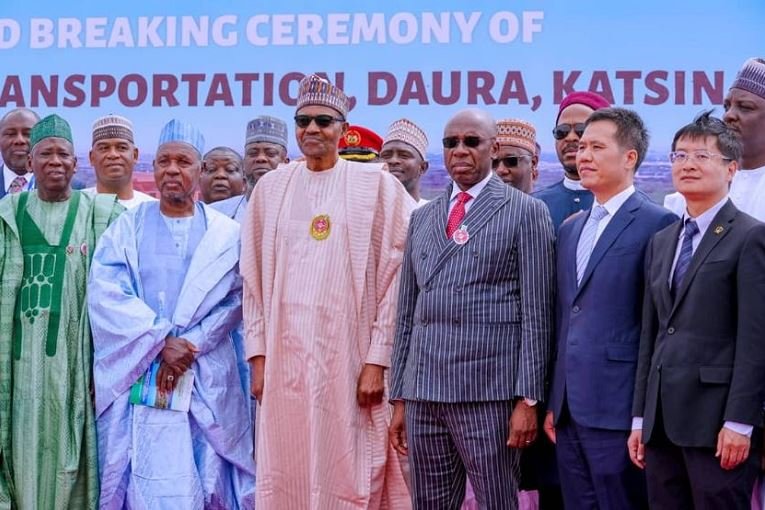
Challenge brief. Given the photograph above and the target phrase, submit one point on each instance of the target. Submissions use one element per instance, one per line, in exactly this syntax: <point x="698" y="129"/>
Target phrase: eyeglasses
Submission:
<point x="509" y="161"/>
<point x="561" y="131"/>
<point x="450" y="142"/>
<point x="303" y="121"/>
<point x="700" y="156"/>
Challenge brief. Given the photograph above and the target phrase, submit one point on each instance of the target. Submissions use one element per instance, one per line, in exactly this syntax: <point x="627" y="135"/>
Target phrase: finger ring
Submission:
<point x="171" y="378"/>
<point x="527" y="442"/>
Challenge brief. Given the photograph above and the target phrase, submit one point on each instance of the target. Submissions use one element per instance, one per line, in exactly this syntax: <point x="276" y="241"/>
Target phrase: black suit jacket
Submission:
<point x="703" y="352"/>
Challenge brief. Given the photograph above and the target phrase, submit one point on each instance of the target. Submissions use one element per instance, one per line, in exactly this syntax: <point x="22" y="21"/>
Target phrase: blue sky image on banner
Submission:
<point x="218" y="64"/>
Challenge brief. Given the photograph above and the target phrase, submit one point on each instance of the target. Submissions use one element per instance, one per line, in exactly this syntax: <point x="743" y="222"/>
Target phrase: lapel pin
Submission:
<point x="719" y="229"/>
<point x="461" y="236"/>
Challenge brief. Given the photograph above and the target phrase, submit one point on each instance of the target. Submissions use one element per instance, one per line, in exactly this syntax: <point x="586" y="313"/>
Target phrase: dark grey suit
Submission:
<point x="474" y="331"/>
<point x="702" y="360"/>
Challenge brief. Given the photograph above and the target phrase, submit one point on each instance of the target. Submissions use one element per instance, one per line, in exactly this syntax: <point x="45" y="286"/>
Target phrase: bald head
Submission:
<point x="480" y="119"/>
<point x="470" y="143"/>
<point x="15" y="127"/>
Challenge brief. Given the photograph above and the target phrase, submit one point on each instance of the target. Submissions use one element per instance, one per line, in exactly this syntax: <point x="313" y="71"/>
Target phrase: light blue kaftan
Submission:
<point x="142" y="289"/>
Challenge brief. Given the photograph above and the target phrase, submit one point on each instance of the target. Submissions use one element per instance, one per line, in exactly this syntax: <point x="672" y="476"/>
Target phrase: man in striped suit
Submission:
<point x="474" y="328"/>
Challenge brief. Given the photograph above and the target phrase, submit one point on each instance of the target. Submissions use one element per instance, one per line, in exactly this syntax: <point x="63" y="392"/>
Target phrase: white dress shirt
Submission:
<point x="703" y="221"/>
<point x="573" y="185"/>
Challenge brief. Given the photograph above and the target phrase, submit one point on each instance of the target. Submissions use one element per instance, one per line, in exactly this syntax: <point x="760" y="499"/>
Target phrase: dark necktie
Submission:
<point x="686" y="253"/>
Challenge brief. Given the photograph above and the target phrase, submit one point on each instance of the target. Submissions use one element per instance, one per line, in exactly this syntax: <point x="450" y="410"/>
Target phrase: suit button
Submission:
<point x="458" y="288"/>
<point x="671" y="330"/>
<point x="424" y="323"/>
<point x="426" y="288"/>
<point x="576" y="309"/>
<point x="424" y="255"/>
<point x="456" y="320"/>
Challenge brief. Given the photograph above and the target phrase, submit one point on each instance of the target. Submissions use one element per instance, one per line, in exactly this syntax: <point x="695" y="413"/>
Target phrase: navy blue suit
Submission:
<point x="598" y="336"/>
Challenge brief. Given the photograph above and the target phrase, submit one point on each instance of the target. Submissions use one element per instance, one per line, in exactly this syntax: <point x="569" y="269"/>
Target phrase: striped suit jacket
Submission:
<point x="475" y="320"/>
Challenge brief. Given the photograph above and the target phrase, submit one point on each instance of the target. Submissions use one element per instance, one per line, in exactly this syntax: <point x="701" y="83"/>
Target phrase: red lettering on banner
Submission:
<point x="628" y="78"/>
<point x="600" y="85"/>
<point x="142" y="90"/>
<point x="74" y="85"/>
<point x="284" y="88"/>
<point x="247" y="79"/>
<point x="653" y="83"/>
<point x="480" y="84"/>
<point x="193" y="80"/>
<point x="414" y="89"/>
<point x="701" y="84"/>
<point x="219" y="91"/>
<point x="564" y="85"/>
<point x="164" y="87"/>
<point x="101" y="86"/>
<point x="455" y="88"/>
<point x="513" y="88"/>
<point x="268" y="89"/>
<point x="48" y="92"/>
<point x="391" y="88"/>
<point x="12" y="92"/>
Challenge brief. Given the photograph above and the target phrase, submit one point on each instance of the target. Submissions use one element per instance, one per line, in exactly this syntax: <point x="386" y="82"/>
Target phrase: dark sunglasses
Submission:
<point x="561" y="131"/>
<point x="303" y="121"/>
<point x="471" y="142"/>
<point x="509" y="161"/>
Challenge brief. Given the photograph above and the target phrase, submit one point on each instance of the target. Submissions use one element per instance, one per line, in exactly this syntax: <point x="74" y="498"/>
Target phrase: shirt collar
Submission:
<point x="472" y="191"/>
<point x="573" y="185"/>
<point x="704" y="219"/>
<point x="614" y="203"/>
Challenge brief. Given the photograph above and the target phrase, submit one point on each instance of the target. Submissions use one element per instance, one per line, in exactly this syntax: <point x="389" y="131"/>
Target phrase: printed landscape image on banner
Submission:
<point x="218" y="64"/>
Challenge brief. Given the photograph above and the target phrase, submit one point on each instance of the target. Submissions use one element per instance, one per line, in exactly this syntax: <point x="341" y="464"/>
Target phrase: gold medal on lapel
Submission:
<point x="320" y="227"/>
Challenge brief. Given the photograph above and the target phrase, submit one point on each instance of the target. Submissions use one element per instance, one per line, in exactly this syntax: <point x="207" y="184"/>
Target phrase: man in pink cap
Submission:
<point x="568" y="196"/>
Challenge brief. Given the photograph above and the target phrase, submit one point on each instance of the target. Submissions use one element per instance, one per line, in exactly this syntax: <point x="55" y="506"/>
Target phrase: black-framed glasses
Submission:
<point x="561" y="131"/>
<point x="700" y="156"/>
<point x="509" y="161"/>
<point x="450" y="142"/>
<point x="323" y="120"/>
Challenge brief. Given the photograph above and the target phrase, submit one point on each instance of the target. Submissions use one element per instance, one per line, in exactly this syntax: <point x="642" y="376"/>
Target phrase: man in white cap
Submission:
<point x="164" y="295"/>
<point x="113" y="155"/>
<point x="745" y="114"/>
<point x="47" y="429"/>
<point x="405" y="153"/>
<point x="516" y="160"/>
<point x="321" y="250"/>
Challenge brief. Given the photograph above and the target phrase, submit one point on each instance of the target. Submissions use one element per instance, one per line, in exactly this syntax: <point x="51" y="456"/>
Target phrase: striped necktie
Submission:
<point x="587" y="240"/>
<point x="686" y="254"/>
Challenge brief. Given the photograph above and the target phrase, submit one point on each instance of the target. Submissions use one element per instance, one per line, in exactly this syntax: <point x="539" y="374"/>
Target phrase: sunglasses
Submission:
<point x="303" y="121"/>
<point x="561" y="131"/>
<point x="509" y="161"/>
<point x="450" y="142"/>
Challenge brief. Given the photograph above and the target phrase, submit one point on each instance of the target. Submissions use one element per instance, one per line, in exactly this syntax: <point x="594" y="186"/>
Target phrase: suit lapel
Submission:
<point x="624" y="216"/>
<point x="437" y="221"/>
<point x="485" y="206"/>
<point x="718" y="229"/>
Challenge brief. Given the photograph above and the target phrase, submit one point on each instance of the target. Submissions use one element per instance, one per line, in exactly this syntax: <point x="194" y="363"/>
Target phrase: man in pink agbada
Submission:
<point x="322" y="244"/>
